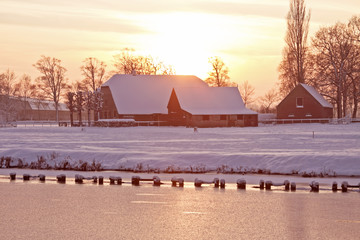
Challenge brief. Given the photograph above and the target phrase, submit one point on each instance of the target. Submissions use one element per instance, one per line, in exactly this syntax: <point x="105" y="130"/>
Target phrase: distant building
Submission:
<point x="304" y="102"/>
<point x="173" y="100"/>
<point x="31" y="109"/>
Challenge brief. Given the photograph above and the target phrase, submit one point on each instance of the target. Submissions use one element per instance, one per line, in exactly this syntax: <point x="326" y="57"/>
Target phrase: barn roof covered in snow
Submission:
<point x="147" y="94"/>
<point x="211" y="101"/>
<point x="316" y="95"/>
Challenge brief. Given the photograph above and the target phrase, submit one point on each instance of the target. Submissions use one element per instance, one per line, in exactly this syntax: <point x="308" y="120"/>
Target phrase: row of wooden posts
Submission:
<point x="175" y="181"/>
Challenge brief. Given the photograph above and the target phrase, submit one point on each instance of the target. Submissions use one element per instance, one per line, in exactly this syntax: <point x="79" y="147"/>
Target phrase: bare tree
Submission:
<point x="333" y="59"/>
<point x="71" y="105"/>
<point x="7" y="91"/>
<point x="98" y="103"/>
<point x="128" y="63"/>
<point x="25" y="89"/>
<point x="71" y="98"/>
<point x="354" y="25"/>
<point x="247" y="92"/>
<point x="93" y="71"/>
<point x="79" y="104"/>
<point x="354" y="73"/>
<point x="267" y="101"/>
<point x="89" y="104"/>
<point x="52" y="82"/>
<point x="292" y="67"/>
<point x="219" y="74"/>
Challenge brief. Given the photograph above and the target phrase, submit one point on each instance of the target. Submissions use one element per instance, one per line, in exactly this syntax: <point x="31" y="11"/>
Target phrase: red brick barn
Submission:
<point x="209" y="107"/>
<point x="143" y="98"/>
<point x="304" y="102"/>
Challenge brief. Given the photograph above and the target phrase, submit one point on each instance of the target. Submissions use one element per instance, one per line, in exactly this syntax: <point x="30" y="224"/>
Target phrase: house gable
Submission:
<point x="304" y="102"/>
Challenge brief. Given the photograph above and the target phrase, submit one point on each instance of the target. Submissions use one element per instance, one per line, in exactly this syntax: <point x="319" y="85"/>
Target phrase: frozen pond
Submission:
<point x="72" y="211"/>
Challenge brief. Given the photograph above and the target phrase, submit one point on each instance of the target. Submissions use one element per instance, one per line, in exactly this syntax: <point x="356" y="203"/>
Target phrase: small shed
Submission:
<point x="304" y="102"/>
<point x="209" y="107"/>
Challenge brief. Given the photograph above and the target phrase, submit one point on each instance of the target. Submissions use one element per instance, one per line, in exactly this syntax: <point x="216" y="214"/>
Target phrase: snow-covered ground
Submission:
<point x="320" y="148"/>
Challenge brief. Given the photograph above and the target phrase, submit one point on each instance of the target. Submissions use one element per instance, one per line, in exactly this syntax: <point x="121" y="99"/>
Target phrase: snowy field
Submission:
<point x="319" y="148"/>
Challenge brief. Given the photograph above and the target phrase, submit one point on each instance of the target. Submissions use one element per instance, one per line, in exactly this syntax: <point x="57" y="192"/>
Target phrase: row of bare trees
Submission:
<point x="331" y="63"/>
<point x="334" y="65"/>
<point x="52" y="83"/>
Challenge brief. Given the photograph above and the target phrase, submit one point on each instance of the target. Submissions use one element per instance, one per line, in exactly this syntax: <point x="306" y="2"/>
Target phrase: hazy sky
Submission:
<point x="247" y="34"/>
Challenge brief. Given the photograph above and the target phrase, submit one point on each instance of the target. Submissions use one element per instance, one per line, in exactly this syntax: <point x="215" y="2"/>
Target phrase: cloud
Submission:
<point x="68" y="21"/>
<point x="237" y="8"/>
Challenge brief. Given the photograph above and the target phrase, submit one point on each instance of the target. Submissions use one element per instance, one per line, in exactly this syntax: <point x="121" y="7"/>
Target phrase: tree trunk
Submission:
<point x="96" y="117"/>
<point x="339" y="105"/>
<point x="57" y="112"/>
<point x="344" y="104"/>
<point x="354" y="113"/>
<point x="71" y="118"/>
<point x="89" y="122"/>
<point x="80" y="120"/>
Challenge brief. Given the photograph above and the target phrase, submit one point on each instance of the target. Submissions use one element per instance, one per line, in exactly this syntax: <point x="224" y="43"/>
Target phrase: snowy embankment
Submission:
<point x="299" y="148"/>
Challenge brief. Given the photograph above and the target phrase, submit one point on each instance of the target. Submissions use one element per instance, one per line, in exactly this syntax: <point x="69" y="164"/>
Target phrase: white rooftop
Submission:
<point x="147" y="94"/>
<point x="212" y="101"/>
<point x="317" y="95"/>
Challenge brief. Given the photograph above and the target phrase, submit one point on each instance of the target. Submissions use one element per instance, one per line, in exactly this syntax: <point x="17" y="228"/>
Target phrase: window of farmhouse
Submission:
<point x="222" y="117"/>
<point x="206" y="118"/>
<point x="299" y="102"/>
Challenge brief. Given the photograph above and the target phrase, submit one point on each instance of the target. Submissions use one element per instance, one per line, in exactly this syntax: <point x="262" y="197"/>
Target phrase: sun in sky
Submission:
<point x="247" y="34"/>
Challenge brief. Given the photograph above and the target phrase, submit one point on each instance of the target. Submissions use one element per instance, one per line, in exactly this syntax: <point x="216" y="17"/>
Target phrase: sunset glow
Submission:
<point x="247" y="35"/>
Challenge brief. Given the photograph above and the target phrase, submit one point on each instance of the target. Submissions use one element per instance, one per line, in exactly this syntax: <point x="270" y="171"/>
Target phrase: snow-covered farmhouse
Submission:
<point x="173" y="100"/>
<point x="304" y="102"/>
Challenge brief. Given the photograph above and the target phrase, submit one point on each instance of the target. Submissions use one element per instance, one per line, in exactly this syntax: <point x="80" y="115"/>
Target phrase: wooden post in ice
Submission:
<point x="135" y="180"/>
<point x="112" y="180"/>
<point x="157" y="181"/>
<point x="181" y="182"/>
<point x="61" y="178"/>
<point x="216" y="182"/>
<point x="79" y="178"/>
<point x="119" y="181"/>
<point x="293" y="186"/>
<point x="268" y="185"/>
<point x="287" y="185"/>
<point x="241" y="184"/>
<point x="41" y="177"/>
<point x="334" y="187"/>
<point x="261" y="184"/>
<point x="197" y="182"/>
<point x="173" y="182"/>
<point x="176" y="180"/>
<point x="344" y="186"/>
<point x="222" y="183"/>
<point x="26" y="177"/>
<point x="12" y="176"/>
<point x="101" y="180"/>
<point x="314" y="186"/>
<point x="94" y="179"/>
